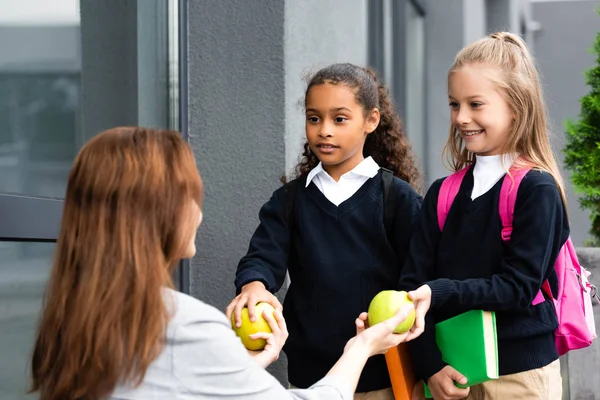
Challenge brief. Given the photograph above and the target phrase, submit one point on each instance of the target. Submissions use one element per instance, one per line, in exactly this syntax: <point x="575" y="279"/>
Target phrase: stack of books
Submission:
<point x="468" y="343"/>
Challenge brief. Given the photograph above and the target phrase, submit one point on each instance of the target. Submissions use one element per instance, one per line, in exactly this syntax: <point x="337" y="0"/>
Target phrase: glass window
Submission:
<point x="24" y="269"/>
<point x="39" y="95"/>
<point x="38" y="121"/>
<point x="48" y="109"/>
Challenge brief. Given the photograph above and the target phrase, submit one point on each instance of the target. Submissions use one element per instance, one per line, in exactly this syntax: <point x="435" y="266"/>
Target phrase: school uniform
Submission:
<point x="468" y="266"/>
<point x="338" y="257"/>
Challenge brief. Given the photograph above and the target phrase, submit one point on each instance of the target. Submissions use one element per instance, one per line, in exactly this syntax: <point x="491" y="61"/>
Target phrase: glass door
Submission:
<point x="68" y="70"/>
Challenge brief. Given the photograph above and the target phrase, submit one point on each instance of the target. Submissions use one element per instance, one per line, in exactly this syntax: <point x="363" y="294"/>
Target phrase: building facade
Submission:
<point x="229" y="76"/>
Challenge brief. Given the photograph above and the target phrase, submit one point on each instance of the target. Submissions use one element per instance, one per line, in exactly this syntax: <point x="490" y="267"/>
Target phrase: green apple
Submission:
<point x="387" y="303"/>
<point x="248" y="328"/>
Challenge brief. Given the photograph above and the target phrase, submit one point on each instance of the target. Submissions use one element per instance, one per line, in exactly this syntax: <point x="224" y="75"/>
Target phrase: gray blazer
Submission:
<point x="203" y="359"/>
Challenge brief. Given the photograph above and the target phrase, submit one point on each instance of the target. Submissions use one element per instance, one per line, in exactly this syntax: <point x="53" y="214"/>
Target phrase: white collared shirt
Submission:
<point x="349" y="183"/>
<point x="488" y="171"/>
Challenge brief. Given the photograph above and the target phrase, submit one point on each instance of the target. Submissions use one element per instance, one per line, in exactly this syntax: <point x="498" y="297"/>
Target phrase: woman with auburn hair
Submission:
<point x="112" y="326"/>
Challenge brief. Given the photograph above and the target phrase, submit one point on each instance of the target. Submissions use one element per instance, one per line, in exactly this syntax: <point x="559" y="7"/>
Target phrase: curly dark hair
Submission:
<point x="388" y="144"/>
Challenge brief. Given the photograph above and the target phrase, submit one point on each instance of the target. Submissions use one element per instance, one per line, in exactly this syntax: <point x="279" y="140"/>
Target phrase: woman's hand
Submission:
<point x="275" y="340"/>
<point x="380" y="337"/>
<point x="368" y="341"/>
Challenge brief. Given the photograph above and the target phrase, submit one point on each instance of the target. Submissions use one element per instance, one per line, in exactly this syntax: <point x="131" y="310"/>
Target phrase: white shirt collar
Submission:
<point x="488" y="171"/>
<point x="367" y="167"/>
<point x="500" y="162"/>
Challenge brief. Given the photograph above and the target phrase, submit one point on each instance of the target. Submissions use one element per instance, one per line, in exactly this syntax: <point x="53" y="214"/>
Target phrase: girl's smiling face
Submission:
<point x="478" y="110"/>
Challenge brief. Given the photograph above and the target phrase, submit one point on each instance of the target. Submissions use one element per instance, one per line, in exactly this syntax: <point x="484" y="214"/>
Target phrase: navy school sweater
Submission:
<point x="338" y="259"/>
<point x="468" y="266"/>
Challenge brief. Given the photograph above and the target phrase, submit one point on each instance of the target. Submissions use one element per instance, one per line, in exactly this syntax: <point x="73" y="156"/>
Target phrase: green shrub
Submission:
<point x="582" y="151"/>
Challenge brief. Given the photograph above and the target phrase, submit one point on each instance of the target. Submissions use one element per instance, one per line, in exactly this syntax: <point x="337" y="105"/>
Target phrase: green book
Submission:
<point x="469" y="344"/>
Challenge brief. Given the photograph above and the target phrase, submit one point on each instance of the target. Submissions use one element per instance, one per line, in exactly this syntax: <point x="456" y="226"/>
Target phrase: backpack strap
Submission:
<point x="447" y="194"/>
<point x="389" y="202"/>
<point x="508" y="198"/>
<point x="290" y="189"/>
<point x="506" y="208"/>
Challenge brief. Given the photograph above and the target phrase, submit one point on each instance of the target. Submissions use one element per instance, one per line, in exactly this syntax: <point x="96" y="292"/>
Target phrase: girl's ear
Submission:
<point x="372" y="120"/>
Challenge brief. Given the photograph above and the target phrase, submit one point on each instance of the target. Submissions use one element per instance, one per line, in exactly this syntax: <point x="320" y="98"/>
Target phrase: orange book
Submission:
<point x="401" y="373"/>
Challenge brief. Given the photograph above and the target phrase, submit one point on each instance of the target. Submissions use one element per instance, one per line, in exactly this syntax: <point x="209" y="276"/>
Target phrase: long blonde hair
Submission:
<point x="123" y="230"/>
<point x="520" y="85"/>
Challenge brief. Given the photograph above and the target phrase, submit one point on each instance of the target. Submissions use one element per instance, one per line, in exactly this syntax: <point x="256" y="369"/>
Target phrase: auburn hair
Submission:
<point x="125" y="225"/>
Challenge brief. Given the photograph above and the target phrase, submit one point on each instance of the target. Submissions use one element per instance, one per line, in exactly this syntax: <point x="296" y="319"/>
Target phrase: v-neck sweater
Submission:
<point x="338" y="258"/>
<point x="469" y="267"/>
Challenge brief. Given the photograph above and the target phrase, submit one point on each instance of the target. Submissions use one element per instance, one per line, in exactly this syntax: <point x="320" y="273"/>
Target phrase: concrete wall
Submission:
<point x="236" y="126"/>
<point x="336" y="33"/>
<point x="567" y="31"/>
<point x="449" y="26"/>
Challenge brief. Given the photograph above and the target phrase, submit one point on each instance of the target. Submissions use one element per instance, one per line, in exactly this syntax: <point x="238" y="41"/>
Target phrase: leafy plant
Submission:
<point x="582" y="151"/>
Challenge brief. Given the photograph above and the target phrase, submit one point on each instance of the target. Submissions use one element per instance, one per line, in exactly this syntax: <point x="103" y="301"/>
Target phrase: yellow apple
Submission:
<point x="248" y="328"/>
<point x="387" y="303"/>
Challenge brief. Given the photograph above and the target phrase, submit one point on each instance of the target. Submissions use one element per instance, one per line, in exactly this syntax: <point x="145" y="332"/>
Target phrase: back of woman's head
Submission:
<point x="124" y="227"/>
<point x="388" y="144"/>
<point x="513" y="71"/>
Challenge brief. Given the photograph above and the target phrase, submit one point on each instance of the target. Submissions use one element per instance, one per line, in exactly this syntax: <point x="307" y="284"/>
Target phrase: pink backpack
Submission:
<point x="573" y="304"/>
